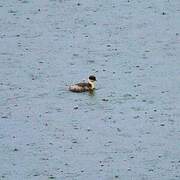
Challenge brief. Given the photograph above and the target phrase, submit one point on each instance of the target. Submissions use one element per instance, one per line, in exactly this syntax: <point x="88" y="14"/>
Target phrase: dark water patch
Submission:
<point x="127" y="97"/>
<point x="25" y="2"/>
<point x="51" y="177"/>
<point x="12" y="11"/>
<point x="76" y="107"/>
<point x="4" y="117"/>
<point x="15" y="149"/>
<point x="91" y="61"/>
<point x="105" y="100"/>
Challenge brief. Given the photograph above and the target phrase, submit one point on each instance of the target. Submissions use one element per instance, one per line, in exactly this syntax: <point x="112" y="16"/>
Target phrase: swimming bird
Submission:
<point x="84" y="86"/>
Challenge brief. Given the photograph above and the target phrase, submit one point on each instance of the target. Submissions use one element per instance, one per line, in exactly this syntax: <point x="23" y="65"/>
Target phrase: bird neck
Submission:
<point x="92" y="83"/>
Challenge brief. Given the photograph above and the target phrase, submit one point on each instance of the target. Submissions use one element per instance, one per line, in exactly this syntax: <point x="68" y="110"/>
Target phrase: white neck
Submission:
<point x="92" y="83"/>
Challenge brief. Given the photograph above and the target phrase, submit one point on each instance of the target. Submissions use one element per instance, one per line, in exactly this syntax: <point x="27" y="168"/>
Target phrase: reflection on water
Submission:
<point x="91" y="93"/>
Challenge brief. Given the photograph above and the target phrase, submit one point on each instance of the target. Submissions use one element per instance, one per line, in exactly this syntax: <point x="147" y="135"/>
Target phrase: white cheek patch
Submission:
<point x="92" y="84"/>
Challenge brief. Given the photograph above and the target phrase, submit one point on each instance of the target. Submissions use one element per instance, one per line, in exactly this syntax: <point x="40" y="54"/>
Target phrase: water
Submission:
<point x="128" y="129"/>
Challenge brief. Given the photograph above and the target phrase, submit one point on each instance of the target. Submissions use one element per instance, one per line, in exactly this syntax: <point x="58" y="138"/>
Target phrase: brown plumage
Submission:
<point x="82" y="87"/>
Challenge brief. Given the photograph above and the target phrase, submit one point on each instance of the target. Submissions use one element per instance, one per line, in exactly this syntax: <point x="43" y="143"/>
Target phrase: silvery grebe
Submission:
<point x="82" y="87"/>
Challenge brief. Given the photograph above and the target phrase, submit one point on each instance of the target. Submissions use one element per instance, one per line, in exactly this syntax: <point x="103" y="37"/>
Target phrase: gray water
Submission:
<point x="129" y="129"/>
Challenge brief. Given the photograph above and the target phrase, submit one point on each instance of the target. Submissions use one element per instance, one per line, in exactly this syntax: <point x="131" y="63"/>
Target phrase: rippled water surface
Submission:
<point x="129" y="128"/>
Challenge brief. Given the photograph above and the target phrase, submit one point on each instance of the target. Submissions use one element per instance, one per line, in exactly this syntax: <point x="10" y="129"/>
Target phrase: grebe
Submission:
<point x="82" y="87"/>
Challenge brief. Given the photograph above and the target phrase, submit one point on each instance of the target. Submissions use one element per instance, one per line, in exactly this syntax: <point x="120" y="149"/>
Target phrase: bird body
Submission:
<point x="84" y="86"/>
